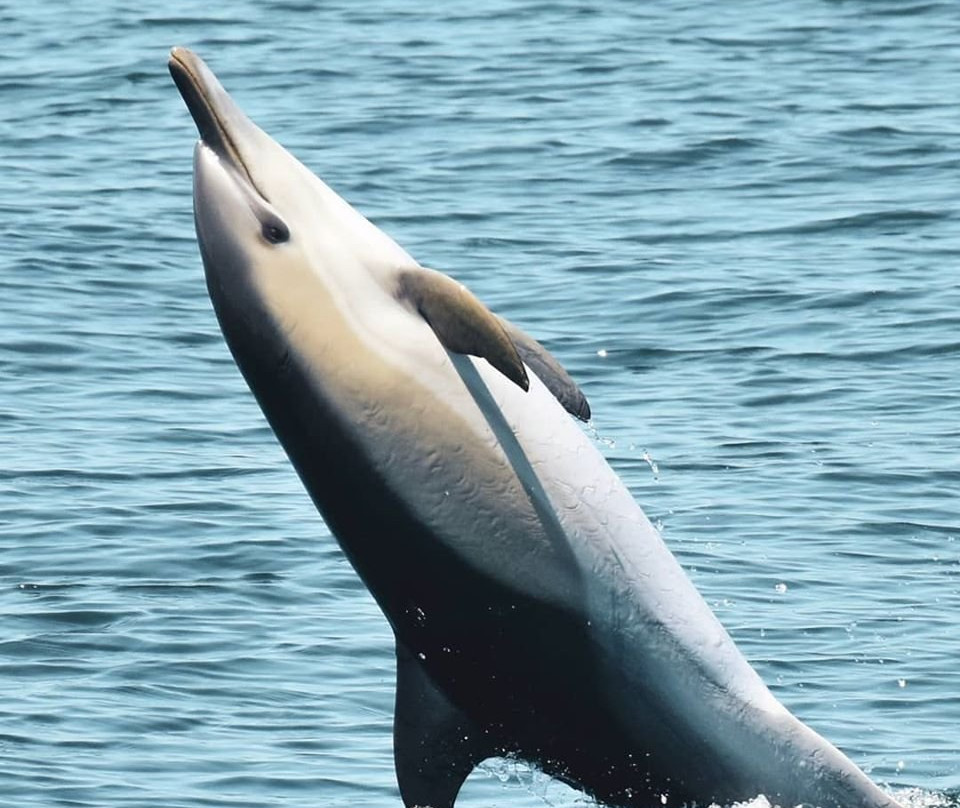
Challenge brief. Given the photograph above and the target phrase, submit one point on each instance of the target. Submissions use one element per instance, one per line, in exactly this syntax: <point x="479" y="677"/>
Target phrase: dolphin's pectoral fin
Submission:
<point x="550" y="372"/>
<point x="435" y="746"/>
<point x="461" y="322"/>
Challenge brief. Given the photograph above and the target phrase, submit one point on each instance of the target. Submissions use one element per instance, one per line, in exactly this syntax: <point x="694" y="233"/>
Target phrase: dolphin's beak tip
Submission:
<point x="182" y="56"/>
<point x="176" y="58"/>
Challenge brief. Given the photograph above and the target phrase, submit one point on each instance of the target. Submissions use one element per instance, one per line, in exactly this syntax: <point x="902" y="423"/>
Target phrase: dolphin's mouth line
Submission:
<point x="214" y="133"/>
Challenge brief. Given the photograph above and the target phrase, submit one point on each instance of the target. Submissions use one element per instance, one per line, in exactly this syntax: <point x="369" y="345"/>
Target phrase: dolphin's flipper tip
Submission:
<point x="461" y="322"/>
<point x="550" y="372"/>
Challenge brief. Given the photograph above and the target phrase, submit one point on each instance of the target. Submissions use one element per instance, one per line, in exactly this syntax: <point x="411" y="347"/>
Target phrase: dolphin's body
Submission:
<point x="537" y="612"/>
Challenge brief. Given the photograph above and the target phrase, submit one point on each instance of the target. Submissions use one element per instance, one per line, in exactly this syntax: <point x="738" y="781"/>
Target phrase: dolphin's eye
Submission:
<point x="275" y="232"/>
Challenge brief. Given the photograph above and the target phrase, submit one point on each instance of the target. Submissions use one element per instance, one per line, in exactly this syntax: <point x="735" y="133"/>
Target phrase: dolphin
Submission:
<point x="537" y="612"/>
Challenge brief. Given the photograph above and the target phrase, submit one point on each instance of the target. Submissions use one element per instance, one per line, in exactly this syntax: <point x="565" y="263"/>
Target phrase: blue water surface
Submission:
<point x="736" y="224"/>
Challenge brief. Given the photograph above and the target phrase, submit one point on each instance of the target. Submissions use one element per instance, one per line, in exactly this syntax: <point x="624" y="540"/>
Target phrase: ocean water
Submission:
<point x="735" y="224"/>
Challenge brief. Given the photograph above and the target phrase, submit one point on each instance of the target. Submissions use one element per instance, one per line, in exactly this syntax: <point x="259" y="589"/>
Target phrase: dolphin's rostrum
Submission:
<point x="537" y="612"/>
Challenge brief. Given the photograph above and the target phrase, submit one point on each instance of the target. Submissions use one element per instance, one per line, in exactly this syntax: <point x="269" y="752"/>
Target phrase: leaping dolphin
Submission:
<point x="537" y="612"/>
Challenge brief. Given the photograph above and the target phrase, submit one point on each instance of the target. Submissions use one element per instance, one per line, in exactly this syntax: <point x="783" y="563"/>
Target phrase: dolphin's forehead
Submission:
<point x="338" y="236"/>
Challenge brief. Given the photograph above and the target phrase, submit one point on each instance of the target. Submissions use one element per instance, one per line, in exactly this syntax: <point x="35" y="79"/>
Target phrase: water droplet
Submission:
<point x="652" y="463"/>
